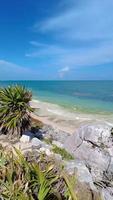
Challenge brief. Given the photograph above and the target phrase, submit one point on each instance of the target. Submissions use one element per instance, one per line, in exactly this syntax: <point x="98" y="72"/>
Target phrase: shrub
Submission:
<point x="14" y="109"/>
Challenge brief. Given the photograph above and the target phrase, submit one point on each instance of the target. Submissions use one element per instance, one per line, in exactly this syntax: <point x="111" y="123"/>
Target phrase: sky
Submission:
<point x="56" y="40"/>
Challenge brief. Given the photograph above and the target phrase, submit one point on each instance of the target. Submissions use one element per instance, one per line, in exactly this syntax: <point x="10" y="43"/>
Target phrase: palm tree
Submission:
<point x="14" y="109"/>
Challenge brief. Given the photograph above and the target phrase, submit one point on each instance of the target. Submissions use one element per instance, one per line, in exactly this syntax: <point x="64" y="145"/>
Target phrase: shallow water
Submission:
<point x="78" y="96"/>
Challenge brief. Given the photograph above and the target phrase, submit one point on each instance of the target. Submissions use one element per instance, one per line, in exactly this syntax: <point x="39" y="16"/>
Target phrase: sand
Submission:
<point x="64" y="119"/>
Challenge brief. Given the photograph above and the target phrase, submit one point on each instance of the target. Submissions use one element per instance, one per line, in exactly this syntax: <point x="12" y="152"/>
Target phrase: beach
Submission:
<point x="67" y="105"/>
<point x="64" y="119"/>
<point x="75" y="131"/>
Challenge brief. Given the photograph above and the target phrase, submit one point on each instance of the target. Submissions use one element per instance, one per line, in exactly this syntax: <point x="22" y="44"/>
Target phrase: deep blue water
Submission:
<point x="84" y="96"/>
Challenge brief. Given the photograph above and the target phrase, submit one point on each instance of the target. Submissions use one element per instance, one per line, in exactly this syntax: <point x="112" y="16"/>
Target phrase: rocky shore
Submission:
<point x="91" y="147"/>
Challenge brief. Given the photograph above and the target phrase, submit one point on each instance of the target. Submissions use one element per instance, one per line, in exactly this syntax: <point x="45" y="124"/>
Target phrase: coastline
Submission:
<point x="46" y="121"/>
<point x="63" y="119"/>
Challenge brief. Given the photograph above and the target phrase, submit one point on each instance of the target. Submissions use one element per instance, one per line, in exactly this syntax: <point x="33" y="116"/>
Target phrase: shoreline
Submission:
<point x="46" y="121"/>
<point x="63" y="119"/>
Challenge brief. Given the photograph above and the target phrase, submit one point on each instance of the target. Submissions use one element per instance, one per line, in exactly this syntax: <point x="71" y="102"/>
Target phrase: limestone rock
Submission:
<point x="46" y="151"/>
<point x="107" y="194"/>
<point x="93" y="145"/>
<point x="26" y="137"/>
<point x="84" y="192"/>
<point x="84" y="186"/>
<point x="81" y="172"/>
<point x="48" y="132"/>
<point x="36" y="142"/>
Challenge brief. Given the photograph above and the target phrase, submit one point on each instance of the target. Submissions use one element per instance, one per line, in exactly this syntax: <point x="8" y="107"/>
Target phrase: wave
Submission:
<point x="55" y="111"/>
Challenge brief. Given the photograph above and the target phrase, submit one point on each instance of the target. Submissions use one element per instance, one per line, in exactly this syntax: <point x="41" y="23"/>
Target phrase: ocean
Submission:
<point x="77" y="96"/>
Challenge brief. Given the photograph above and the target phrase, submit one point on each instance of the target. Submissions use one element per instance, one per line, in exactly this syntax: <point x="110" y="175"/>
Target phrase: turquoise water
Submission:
<point x="83" y="96"/>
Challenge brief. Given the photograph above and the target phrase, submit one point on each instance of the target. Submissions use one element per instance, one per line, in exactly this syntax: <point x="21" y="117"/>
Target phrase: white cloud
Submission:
<point x="11" y="71"/>
<point x="91" y="20"/>
<point x="79" y="24"/>
<point x="37" y="44"/>
<point x="63" y="71"/>
<point x="47" y="50"/>
<point x="75" y="57"/>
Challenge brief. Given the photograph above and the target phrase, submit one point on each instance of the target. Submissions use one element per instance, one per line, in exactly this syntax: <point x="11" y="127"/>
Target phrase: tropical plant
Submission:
<point x="70" y="183"/>
<point x="25" y="180"/>
<point x="14" y="109"/>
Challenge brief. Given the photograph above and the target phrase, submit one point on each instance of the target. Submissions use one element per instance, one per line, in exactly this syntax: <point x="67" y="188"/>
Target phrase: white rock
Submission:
<point x="107" y="194"/>
<point x="42" y="149"/>
<point x="36" y="142"/>
<point x="26" y="137"/>
<point x="82" y="172"/>
<point x="48" y="152"/>
<point x="93" y="145"/>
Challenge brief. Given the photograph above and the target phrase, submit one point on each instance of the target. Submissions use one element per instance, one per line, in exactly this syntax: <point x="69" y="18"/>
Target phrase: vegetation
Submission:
<point x="65" y="155"/>
<point x="48" y="140"/>
<point x="26" y="178"/>
<point x="21" y="179"/>
<point x="14" y="109"/>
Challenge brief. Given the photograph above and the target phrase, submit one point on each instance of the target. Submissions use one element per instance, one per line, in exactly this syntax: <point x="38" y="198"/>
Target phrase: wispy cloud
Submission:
<point x="76" y="57"/>
<point x="47" y="50"/>
<point x="63" y="71"/>
<point x="82" y="34"/>
<point x="38" y="44"/>
<point x="91" y="21"/>
<point x="11" y="71"/>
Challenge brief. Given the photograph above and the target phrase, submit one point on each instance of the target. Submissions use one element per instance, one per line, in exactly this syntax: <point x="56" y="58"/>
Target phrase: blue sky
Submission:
<point x="56" y="39"/>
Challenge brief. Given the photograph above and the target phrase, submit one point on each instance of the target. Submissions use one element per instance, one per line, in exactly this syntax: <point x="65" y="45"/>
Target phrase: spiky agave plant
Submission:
<point x="14" y="109"/>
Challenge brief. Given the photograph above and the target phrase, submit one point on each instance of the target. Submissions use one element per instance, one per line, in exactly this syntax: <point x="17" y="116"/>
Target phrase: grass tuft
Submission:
<point x="65" y="155"/>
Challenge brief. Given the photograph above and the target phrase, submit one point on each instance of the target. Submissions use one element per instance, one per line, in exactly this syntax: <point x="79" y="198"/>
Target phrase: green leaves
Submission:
<point x="15" y="108"/>
<point x="70" y="183"/>
<point x="65" y="155"/>
<point x="23" y="180"/>
<point x="44" y="180"/>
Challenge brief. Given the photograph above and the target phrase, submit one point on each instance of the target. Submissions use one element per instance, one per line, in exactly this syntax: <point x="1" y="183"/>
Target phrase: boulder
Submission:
<point x="48" y="132"/>
<point x="93" y="145"/>
<point x="84" y="192"/>
<point x="26" y="137"/>
<point x="84" y="186"/>
<point x="107" y="193"/>
<point x="35" y="142"/>
<point x="81" y="172"/>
